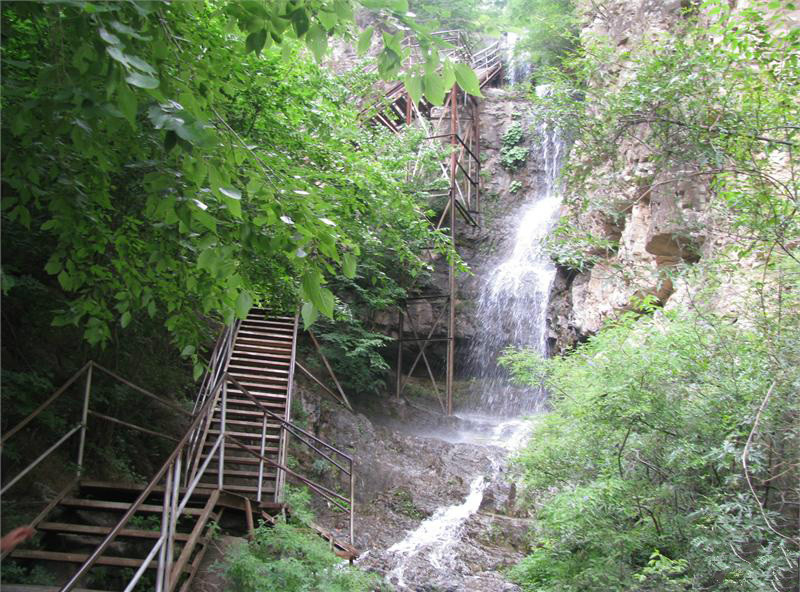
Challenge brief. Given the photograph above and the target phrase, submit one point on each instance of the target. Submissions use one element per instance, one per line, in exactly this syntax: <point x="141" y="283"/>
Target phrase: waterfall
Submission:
<point x="512" y="306"/>
<point x="517" y="67"/>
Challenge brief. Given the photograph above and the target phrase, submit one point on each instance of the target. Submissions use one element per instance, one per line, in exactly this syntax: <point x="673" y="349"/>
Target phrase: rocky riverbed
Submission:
<point x="436" y="508"/>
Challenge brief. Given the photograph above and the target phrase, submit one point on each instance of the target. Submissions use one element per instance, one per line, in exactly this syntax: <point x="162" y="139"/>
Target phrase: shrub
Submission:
<point x="638" y="469"/>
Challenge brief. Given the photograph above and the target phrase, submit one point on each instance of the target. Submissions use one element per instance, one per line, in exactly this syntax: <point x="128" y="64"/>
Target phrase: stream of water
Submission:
<point x="512" y="308"/>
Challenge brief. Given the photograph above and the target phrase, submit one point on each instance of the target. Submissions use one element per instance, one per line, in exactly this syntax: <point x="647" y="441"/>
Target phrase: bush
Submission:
<point x="638" y="469"/>
<point x="290" y="557"/>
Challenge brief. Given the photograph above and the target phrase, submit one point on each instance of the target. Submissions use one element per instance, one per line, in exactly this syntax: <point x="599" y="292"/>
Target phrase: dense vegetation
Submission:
<point x="669" y="460"/>
<point x="290" y="557"/>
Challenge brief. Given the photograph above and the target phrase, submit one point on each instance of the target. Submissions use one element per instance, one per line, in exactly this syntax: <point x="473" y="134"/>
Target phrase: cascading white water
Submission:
<point x="512" y="307"/>
<point x="517" y="66"/>
<point x="437" y="535"/>
<point x="512" y="311"/>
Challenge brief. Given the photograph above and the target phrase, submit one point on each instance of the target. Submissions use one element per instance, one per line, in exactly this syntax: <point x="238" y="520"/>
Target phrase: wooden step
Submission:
<point x="64" y="527"/>
<point x="79" y="558"/>
<point x="74" y="502"/>
<point x="269" y="473"/>
<point x="271" y="424"/>
<point x="248" y="413"/>
<point x="280" y="353"/>
<point x="239" y="369"/>
<point x="266" y="488"/>
<point x="257" y="381"/>
<point x="241" y="460"/>
<point x="134" y="488"/>
<point x="261" y="315"/>
<point x="263" y="342"/>
<point x="268" y="400"/>
<point x="264" y="389"/>
<point x="276" y="326"/>
<point x="264" y="334"/>
<point x="251" y="357"/>
<point x="247" y="435"/>
<point x="231" y="446"/>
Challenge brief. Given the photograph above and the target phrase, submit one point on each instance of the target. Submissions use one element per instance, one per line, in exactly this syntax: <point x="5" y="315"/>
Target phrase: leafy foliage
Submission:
<point x="644" y="449"/>
<point x="549" y="29"/>
<point x="713" y="102"/>
<point x="289" y="556"/>
<point x="512" y="155"/>
<point x="170" y="176"/>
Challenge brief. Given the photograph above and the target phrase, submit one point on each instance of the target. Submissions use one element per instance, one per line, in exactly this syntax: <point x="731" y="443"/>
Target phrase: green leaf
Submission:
<point x="126" y="101"/>
<point x="53" y="265"/>
<point x="109" y="38"/>
<point x="467" y="80"/>
<point x="349" y="265"/>
<point x="243" y="304"/>
<point x="125" y="319"/>
<point x="311" y="285"/>
<point x="65" y="280"/>
<point x="448" y="76"/>
<point x="142" y="80"/>
<point x="326" y="302"/>
<point x="255" y="41"/>
<point x="414" y="87"/>
<point x="365" y="40"/>
<point x="198" y="369"/>
<point x="187" y="351"/>
<point x="234" y="207"/>
<point x="434" y="88"/>
<point x="309" y="314"/>
<point x="317" y="41"/>
<point x="232" y="193"/>
<point x="343" y="9"/>
<point x="328" y="19"/>
<point x="300" y="22"/>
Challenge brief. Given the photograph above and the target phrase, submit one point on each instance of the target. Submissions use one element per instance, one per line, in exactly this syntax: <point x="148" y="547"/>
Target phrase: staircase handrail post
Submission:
<point x="162" y="553"/>
<point x="261" y="460"/>
<point x="84" y="417"/>
<point x="173" y="521"/>
<point x="352" y="503"/>
<point x="222" y="420"/>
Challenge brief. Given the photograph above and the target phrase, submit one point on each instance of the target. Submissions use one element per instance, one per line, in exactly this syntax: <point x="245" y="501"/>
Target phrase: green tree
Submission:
<point x="172" y="167"/>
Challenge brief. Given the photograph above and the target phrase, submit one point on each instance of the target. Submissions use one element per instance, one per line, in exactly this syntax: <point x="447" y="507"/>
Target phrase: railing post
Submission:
<point x="261" y="460"/>
<point x="352" y="501"/>
<point x="223" y="411"/>
<point x="399" y="378"/>
<point x="162" y="554"/>
<point x="84" y="418"/>
<point x="173" y="521"/>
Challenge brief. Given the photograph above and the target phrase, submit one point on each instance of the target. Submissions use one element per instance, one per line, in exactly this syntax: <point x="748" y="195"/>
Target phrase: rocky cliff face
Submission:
<point x="657" y="223"/>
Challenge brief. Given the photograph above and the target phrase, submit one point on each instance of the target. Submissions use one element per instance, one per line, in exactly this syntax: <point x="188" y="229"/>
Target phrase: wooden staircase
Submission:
<point x="114" y="536"/>
<point x="261" y="365"/>
<point x="80" y="521"/>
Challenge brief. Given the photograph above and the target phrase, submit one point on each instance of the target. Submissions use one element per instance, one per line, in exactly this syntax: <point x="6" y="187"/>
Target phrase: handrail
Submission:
<point x="166" y="467"/>
<point x="285" y="424"/>
<point x="179" y="474"/>
<point x="83" y="424"/>
<point x="46" y="404"/>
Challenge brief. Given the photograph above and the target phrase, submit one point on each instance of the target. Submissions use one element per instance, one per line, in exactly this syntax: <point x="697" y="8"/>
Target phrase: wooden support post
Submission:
<point x="248" y="516"/>
<point x="477" y="137"/>
<point x="331" y="373"/>
<point x="451" y="328"/>
<point x="399" y="382"/>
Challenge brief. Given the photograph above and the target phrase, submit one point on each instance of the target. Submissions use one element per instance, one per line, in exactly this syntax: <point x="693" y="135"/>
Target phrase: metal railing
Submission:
<point x="80" y="428"/>
<point x="179" y="485"/>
